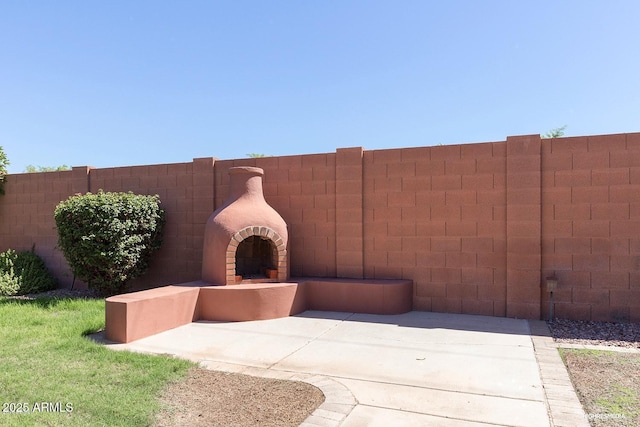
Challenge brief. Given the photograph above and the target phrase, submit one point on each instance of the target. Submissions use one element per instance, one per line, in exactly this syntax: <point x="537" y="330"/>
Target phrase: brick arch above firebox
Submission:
<point x="265" y="233"/>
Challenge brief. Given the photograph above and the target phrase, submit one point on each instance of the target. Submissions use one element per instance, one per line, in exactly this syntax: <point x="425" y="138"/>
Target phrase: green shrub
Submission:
<point x="108" y="238"/>
<point x="24" y="272"/>
<point x="9" y="282"/>
<point x="34" y="273"/>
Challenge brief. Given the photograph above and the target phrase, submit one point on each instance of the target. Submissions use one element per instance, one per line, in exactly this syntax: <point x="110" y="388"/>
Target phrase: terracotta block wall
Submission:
<point x="591" y="226"/>
<point x="436" y="215"/>
<point x="349" y="213"/>
<point x="524" y="252"/>
<point x="26" y="214"/>
<point x="477" y="227"/>
<point x="185" y="190"/>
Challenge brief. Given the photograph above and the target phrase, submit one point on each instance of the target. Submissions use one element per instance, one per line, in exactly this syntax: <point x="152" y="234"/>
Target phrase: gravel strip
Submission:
<point x="595" y="333"/>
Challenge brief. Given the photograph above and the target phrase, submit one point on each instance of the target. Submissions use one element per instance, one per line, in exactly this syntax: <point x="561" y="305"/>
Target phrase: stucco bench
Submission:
<point x="359" y="295"/>
<point x="140" y="314"/>
<point x="251" y="301"/>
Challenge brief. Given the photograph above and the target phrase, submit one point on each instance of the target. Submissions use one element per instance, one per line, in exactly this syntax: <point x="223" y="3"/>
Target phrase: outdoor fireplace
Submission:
<point x="245" y="239"/>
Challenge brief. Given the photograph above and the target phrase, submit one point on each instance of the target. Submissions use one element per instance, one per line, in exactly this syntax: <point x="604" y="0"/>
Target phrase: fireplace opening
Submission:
<point x="257" y="258"/>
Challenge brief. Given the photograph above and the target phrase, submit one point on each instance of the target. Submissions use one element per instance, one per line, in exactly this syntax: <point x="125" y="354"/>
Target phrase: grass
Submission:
<point x="607" y="383"/>
<point x="620" y="400"/>
<point x="46" y="357"/>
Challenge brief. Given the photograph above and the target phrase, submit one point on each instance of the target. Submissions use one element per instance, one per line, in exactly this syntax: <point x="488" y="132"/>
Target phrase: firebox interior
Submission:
<point x="254" y="256"/>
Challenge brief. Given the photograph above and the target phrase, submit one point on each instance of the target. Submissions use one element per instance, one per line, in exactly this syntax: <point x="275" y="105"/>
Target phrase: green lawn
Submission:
<point x="49" y="368"/>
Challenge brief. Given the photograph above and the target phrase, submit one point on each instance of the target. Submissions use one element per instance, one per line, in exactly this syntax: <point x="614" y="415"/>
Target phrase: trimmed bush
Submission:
<point x="108" y="238"/>
<point x="24" y="272"/>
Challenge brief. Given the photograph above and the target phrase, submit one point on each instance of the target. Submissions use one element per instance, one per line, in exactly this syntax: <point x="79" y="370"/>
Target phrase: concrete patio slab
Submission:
<point x="363" y="416"/>
<point x="418" y="349"/>
<point x="456" y="405"/>
<point x="417" y="368"/>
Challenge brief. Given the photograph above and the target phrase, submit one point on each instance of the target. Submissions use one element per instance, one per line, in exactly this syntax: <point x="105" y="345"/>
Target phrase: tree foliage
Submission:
<point x="33" y="169"/>
<point x="555" y="133"/>
<point x="4" y="162"/>
<point x="108" y="238"/>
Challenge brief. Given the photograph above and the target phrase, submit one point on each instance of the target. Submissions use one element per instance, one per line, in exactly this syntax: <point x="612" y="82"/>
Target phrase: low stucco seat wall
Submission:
<point x="140" y="314"/>
<point x="136" y="315"/>
<point x="359" y="295"/>
<point x="253" y="301"/>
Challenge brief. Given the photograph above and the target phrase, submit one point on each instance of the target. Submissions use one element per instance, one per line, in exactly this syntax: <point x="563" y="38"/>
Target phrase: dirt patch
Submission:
<point x="213" y="398"/>
<point x="608" y="385"/>
<point x="607" y="382"/>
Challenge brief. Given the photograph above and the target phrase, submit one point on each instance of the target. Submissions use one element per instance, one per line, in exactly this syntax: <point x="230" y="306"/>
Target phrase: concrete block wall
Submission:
<point x="591" y="226"/>
<point x="186" y="193"/>
<point x="523" y="225"/>
<point x="26" y="214"/>
<point x="477" y="227"/>
<point x="436" y="215"/>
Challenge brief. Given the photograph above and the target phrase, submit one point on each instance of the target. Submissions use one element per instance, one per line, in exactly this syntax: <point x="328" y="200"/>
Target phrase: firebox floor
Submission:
<point x="417" y="368"/>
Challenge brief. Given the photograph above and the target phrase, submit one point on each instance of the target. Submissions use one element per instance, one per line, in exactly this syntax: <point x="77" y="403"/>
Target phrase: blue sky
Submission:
<point x="117" y="83"/>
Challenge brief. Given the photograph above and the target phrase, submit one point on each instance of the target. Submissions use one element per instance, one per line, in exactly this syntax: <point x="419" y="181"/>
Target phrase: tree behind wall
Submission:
<point x="4" y="162"/>
<point x="34" y="169"/>
<point x="555" y="133"/>
<point x="108" y="238"/>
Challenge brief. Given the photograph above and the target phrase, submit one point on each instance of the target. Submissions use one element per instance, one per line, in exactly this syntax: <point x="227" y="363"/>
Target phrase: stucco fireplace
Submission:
<point x="245" y="239"/>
